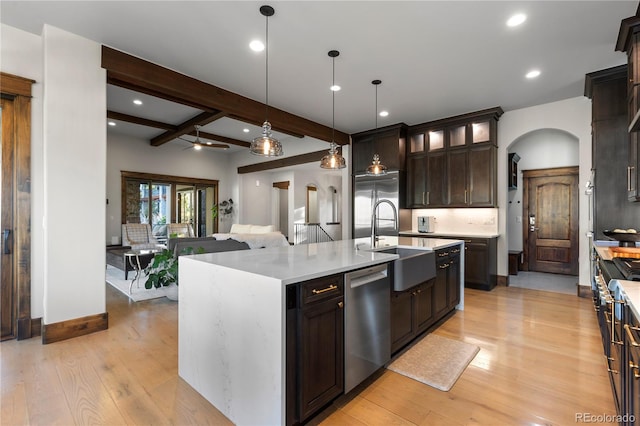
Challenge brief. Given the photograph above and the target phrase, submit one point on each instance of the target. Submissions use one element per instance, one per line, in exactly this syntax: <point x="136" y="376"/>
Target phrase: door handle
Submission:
<point x="5" y="241"/>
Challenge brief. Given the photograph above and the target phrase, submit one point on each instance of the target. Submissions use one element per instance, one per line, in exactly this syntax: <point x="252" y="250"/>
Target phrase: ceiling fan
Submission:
<point x="198" y="144"/>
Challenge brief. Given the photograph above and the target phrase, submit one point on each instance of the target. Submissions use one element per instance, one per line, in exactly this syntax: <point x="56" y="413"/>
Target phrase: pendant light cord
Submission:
<point x="333" y="106"/>
<point x="266" y="50"/>
<point x="376" y="111"/>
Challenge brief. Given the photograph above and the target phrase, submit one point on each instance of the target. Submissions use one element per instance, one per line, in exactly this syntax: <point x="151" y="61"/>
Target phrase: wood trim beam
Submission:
<point x="201" y="119"/>
<point x="141" y="121"/>
<point x="74" y="328"/>
<point x="281" y="185"/>
<point x="294" y="160"/>
<point x="183" y="180"/>
<point x="219" y="138"/>
<point x="126" y="67"/>
<point x="15" y="85"/>
<point x="556" y="171"/>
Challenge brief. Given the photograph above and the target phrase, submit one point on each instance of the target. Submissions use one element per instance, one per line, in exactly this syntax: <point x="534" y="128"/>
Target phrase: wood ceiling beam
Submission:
<point x="138" y="120"/>
<point x="179" y="86"/>
<point x="219" y="138"/>
<point x="201" y="119"/>
<point x="294" y="160"/>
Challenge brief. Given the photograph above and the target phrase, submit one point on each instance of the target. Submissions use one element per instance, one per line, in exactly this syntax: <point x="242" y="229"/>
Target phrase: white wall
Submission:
<point x="21" y="54"/>
<point x="540" y="149"/>
<point x="136" y="155"/>
<point x="75" y="97"/>
<point x="570" y="115"/>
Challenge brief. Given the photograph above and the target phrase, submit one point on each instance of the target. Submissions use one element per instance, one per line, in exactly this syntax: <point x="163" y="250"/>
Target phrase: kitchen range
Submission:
<point x="271" y="336"/>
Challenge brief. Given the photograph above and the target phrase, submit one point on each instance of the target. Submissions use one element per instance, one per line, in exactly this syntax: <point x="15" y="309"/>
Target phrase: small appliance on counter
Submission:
<point x="426" y="224"/>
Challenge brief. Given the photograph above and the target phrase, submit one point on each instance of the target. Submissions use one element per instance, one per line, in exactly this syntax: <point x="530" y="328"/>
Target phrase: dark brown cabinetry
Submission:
<point x="413" y="311"/>
<point x="629" y="41"/>
<point x="315" y="345"/>
<point x="480" y="263"/>
<point x="614" y="178"/>
<point x="452" y="162"/>
<point x="512" y="171"/>
<point x="388" y="142"/>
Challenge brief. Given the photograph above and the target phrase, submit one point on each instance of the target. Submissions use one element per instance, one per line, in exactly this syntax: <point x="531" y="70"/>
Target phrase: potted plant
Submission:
<point x="162" y="271"/>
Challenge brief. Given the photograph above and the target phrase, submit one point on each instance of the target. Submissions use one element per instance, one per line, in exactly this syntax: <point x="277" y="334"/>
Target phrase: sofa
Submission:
<point x="205" y="244"/>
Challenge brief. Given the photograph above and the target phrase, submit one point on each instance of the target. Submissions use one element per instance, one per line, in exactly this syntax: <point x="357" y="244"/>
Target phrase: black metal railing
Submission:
<point x="307" y="233"/>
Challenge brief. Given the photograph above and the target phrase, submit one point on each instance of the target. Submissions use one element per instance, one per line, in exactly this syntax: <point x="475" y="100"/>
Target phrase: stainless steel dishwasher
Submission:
<point x="367" y="336"/>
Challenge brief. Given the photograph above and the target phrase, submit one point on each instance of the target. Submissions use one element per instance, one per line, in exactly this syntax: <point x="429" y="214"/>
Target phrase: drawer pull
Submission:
<point x="636" y="375"/>
<point x="443" y="254"/>
<point x="609" y="369"/>
<point x="443" y="266"/>
<point x="324" y="290"/>
<point x="632" y="340"/>
<point x="455" y="251"/>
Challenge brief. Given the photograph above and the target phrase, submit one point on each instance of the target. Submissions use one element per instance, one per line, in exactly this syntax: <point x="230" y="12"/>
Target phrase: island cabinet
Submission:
<point x="388" y="142"/>
<point x="315" y="344"/>
<point x="453" y="162"/>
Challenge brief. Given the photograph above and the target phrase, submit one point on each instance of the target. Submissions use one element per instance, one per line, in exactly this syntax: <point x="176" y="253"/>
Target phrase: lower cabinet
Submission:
<point x="631" y="377"/>
<point x="413" y="311"/>
<point x="480" y="263"/>
<point x="315" y="346"/>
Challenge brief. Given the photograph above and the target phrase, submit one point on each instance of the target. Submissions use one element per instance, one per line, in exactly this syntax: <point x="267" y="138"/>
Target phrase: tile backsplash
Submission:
<point x="459" y="220"/>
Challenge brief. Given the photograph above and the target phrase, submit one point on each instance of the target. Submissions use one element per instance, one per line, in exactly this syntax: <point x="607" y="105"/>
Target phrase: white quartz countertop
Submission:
<point x="630" y="291"/>
<point x="449" y="234"/>
<point x="307" y="261"/>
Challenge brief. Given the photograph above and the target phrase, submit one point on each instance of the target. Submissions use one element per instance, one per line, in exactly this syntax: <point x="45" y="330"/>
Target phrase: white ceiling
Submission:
<point x="435" y="58"/>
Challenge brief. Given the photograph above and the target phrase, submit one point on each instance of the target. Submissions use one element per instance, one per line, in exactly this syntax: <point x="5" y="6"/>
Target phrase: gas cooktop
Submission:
<point x="629" y="267"/>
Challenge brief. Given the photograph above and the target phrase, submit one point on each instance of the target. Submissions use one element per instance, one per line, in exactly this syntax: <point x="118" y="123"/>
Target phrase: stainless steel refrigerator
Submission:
<point x="367" y="190"/>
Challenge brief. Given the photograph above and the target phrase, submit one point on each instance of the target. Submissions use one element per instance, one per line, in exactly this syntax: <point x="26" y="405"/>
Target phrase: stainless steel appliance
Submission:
<point x="367" y="191"/>
<point x="426" y="223"/>
<point x="367" y="332"/>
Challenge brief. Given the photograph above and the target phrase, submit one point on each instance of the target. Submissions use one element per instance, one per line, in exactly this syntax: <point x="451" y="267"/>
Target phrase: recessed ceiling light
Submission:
<point x="533" y="74"/>
<point x="256" y="46"/>
<point x="209" y="143"/>
<point x="111" y="123"/>
<point x="245" y="130"/>
<point x="335" y="88"/>
<point x="384" y="113"/>
<point x="137" y="101"/>
<point x="516" y="19"/>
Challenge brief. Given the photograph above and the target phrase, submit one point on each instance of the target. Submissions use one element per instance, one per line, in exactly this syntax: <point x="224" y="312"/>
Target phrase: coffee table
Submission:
<point x="138" y="260"/>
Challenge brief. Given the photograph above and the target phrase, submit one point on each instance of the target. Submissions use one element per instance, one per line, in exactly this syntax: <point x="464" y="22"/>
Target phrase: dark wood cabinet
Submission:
<point x="412" y="312"/>
<point x="315" y="346"/>
<point x="447" y="285"/>
<point x="458" y="160"/>
<point x="388" y="142"/>
<point x="614" y="152"/>
<point x="480" y="263"/>
<point x="512" y="171"/>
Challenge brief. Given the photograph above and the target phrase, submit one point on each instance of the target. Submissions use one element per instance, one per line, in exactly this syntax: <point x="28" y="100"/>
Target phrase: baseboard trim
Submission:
<point x="584" y="290"/>
<point x="28" y="328"/>
<point x="75" y="327"/>
<point x="503" y="281"/>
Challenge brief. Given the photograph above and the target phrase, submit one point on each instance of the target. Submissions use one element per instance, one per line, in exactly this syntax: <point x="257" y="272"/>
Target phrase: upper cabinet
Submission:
<point x="629" y="41"/>
<point x="452" y="162"/>
<point x="388" y="142"/>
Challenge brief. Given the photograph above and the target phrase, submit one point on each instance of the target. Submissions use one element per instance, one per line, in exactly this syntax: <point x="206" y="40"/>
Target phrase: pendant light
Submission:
<point x="266" y="145"/>
<point x="376" y="168"/>
<point x="333" y="160"/>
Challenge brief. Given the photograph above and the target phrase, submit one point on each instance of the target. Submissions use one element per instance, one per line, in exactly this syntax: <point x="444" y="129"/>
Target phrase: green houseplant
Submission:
<point x="162" y="271"/>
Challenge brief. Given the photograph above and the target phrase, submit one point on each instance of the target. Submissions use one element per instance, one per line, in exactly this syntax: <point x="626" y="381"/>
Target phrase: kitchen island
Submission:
<point x="232" y="322"/>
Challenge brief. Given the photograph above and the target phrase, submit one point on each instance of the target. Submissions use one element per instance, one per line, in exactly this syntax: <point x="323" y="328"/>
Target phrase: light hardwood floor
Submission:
<point x="540" y="362"/>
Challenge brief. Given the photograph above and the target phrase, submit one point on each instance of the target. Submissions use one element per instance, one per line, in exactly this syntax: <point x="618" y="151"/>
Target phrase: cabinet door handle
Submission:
<point x="465" y="196"/>
<point x="340" y="304"/>
<point x="423" y="197"/>
<point x="634" y="367"/>
<point x="324" y="290"/>
<point x="609" y="369"/>
<point x="5" y="241"/>
<point x="632" y="340"/>
<point x="428" y="199"/>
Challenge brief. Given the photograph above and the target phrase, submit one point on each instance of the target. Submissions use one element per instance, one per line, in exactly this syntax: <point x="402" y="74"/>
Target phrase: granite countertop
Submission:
<point x="450" y="234"/>
<point x="307" y="261"/>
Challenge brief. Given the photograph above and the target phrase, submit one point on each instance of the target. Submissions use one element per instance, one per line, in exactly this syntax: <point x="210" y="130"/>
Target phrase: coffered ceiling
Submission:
<point x="435" y="59"/>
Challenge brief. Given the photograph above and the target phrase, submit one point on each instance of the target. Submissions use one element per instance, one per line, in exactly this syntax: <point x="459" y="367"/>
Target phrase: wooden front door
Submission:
<point x="15" y="207"/>
<point x="550" y="222"/>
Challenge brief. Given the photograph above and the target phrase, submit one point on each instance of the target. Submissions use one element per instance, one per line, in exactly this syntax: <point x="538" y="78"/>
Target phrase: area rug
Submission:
<point x="115" y="277"/>
<point x="436" y="361"/>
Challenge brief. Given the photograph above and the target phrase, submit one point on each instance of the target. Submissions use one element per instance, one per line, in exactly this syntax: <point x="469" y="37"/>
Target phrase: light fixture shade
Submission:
<point x="375" y="168"/>
<point x="333" y="160"/>
<point x="266" y="145"/>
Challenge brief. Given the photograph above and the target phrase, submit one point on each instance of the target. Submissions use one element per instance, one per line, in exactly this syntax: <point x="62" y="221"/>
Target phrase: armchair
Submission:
<point x="180" y="229"/>
<point x="138" y="236"/>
